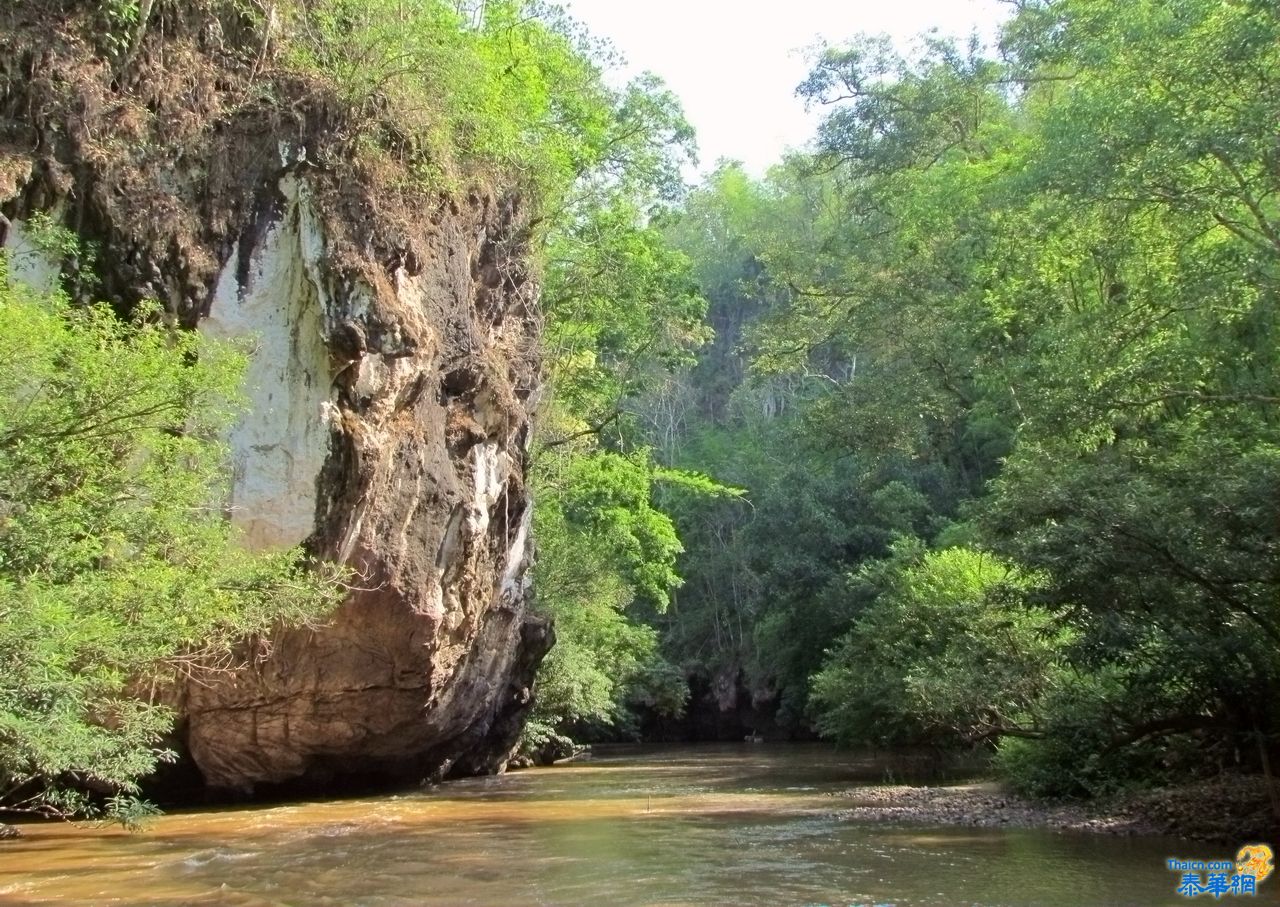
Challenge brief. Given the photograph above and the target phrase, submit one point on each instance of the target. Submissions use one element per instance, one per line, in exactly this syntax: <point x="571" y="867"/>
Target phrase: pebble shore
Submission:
<point x="1226" y="810"/>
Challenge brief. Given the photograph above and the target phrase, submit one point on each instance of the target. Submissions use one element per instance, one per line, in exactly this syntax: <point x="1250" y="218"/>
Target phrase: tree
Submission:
<point x="765" y="578"/>
<point x="601" y="546"/>
<point x="949" y="651"/>
<point x="1058" y="275"/>
<point x="119" y="572"/>
<point x="622" y="315"/>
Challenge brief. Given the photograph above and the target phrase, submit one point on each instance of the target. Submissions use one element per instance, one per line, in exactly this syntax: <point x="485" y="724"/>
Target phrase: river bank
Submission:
<point x="1228" y="810"/>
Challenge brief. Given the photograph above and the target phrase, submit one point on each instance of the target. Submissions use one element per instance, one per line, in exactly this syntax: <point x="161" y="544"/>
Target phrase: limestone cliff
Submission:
<point x="393" y="374"/>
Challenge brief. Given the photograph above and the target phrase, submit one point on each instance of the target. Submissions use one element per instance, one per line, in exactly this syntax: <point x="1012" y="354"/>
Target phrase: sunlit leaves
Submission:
<point x="509" y="89"/>
<point x="119" y="573"/>
<point x="1059" y="271"/>
<point x="621" y="310"/>
<point x="948" y="650"/>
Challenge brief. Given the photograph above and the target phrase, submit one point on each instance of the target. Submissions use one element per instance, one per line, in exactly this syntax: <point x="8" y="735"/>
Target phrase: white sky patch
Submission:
<point x="735" y="65"/>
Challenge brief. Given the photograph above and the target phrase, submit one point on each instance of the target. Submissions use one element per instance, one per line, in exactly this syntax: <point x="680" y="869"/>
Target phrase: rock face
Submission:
<point x="392" y="378"/>
<point x="389" y="430"/>
<point x="722" y="707"/>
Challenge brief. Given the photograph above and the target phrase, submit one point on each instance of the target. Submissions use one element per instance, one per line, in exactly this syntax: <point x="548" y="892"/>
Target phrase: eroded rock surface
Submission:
<point x="390" y="430"/>
<point x="394" y="366"/>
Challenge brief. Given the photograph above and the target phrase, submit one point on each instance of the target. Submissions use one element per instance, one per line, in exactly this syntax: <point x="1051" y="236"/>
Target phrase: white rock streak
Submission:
<point x="28" y="263"/>
<point x="280" y="445"/>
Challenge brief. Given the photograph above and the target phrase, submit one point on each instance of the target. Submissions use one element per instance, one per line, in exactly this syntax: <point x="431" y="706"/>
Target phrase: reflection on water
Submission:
<point x="724" y="825"/>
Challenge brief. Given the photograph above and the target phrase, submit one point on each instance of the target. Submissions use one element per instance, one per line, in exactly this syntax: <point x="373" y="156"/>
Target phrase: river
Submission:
<point x="723" y="825"/>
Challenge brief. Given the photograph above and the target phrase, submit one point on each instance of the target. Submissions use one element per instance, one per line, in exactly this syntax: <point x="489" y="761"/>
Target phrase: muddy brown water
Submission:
<point x="750" y="824"/>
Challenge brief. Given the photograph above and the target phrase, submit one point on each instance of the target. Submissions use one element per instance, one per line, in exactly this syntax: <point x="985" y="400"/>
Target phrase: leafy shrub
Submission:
<point x="119" y="572"/>
<point x="949" y="651"/>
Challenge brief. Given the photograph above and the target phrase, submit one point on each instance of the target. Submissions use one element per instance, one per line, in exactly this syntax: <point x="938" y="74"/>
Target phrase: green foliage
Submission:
<point x="607" y="495"/>
<point x="484" y="89"/>
<point x="118" y="569"/>
<point x="508" y="87"/>
<point x="1056" y="279"/>
<point x="56" y="243"/>
<point x="601" y="546"/>
<point x="51" y="238"/>
<point x="622" y="313"/>
<point x="1088" y="748"/>
<point x="1022" y="311"/>
<point x="766" y="578"/>
<point x="948" y="650"/>
<point x="622" y="310"/>
<point x="120" y="18"/>
<point x="891" y="115"/>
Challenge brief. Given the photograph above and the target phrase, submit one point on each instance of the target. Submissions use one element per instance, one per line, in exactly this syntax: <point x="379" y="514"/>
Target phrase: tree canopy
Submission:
<point x="996" y="364"/>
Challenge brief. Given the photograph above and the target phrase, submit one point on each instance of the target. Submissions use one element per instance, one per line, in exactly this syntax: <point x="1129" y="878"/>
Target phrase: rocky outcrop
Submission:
<point x="723" y="707"/>
<point x="393" y="372"/>
<point x="388" y="430"/>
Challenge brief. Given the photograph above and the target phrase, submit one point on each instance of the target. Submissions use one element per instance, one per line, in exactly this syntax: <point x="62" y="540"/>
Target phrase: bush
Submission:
<point x="118" y="570"/>
<point x="1105" y="729"/>
<point x="950" y="651"/>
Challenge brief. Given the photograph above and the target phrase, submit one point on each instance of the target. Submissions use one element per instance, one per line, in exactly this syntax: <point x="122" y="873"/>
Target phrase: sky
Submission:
<point x="735" y="63"/>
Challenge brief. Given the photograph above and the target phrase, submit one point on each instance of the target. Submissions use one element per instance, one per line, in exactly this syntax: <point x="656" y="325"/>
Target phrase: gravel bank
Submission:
<point x="1227" y="810"/>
